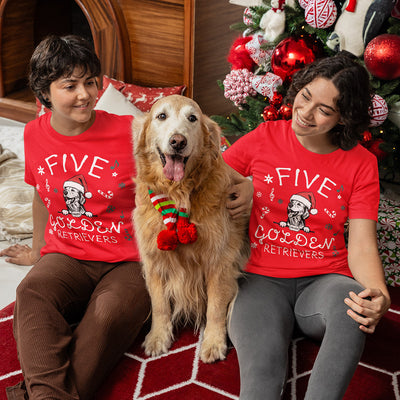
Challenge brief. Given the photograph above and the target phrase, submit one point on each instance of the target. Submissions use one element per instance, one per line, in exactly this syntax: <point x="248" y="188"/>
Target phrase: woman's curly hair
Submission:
<point x="354" y="101"/>
<point x="57" y="57"/>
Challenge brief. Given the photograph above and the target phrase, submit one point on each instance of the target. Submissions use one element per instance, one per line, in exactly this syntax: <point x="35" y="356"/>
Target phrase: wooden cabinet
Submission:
<point x="147" y="42"/>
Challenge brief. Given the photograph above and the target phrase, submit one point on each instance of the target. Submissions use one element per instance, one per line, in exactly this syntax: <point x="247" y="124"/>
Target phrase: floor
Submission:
<point x="10" y="276"/>
<point x="11" y="137"/>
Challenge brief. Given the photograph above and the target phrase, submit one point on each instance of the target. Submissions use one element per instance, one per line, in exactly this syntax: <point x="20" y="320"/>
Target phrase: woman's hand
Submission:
<point x="19" y="254"/>
<point x="367" y="308"/>
<point x="240" y="198"/>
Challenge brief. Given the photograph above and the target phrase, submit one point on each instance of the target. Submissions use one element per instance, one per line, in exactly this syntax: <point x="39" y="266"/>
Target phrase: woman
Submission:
<point x="310" y="177"/>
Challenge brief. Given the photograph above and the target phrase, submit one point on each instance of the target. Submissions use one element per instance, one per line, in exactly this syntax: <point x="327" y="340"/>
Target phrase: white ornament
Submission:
<point x="321" y="13"/>
<point x="379" y="111"/>
<point x="273" y="21"/>
<point x="303" y="3"/>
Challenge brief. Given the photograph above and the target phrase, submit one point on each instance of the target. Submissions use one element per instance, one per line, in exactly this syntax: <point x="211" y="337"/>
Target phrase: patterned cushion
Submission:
<point x="141" y="96"/>
<point x="144" y="97"/>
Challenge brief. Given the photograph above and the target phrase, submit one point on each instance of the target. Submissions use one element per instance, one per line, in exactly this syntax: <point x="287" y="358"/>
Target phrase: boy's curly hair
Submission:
<point x="58" y="56"/>
<point x="354" y="101"/>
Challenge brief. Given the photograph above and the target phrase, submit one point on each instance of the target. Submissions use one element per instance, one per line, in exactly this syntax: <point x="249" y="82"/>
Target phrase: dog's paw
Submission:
<point x="213" y="350"/>
<point x="157" y="343"/>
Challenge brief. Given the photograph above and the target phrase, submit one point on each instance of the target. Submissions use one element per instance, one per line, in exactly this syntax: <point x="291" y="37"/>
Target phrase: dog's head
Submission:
<point x="175" y="136"/>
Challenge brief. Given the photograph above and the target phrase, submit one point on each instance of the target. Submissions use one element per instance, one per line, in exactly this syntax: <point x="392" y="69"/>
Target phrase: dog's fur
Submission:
<point x="197" y="281"/>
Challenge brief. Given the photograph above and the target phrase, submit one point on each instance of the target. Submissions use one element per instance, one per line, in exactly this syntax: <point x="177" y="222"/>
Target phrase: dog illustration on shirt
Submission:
<point x="75" y="193"/>
<point x="300" y="206"/>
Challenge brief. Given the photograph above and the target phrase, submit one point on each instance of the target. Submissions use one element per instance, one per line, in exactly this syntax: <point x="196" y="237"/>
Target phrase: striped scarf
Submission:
<point x="179" y="230"/>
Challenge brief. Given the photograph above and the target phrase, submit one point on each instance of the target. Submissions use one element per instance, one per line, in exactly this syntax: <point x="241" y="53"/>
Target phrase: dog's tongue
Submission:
<point x="174" y="168"/>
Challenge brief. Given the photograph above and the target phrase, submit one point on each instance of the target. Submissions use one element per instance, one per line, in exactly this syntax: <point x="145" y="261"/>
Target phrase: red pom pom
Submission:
<point x="187" y="233"/>
<point x="167" y="240"/>
<point x="239" y="56"/>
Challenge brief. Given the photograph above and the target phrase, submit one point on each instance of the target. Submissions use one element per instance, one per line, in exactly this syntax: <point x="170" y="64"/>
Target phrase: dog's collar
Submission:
<point x="179" y="230"/>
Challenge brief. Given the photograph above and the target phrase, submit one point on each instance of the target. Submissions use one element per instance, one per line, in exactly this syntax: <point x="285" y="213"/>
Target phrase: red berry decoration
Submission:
<point x="292" y="54"/>
<point x="382" y="56"/>
<point x="375" y="149"/>
<point x="285" y="111"/>
<point x="270" y="113"/>
<point x="366" y="137"/>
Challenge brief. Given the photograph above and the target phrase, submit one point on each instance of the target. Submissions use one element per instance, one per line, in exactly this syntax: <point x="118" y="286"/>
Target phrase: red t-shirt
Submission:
<point x="86" y="183"/>
<point x="302" y="201"/>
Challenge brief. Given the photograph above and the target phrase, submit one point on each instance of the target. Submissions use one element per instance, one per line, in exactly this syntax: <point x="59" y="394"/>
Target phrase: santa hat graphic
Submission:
<point x="78" y="182"/>
<point x="308" y="199"/>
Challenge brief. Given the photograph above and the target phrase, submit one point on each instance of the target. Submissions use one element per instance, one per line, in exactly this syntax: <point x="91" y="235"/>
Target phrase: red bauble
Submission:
<point x="293" y="53"/>
<point x="285" y="112"/>
<point x="270" y="113"/>
<point x="382" y="56"/>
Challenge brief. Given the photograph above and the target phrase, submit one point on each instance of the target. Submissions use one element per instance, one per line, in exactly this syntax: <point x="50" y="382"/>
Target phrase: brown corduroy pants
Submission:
<point x="73" y="320"/>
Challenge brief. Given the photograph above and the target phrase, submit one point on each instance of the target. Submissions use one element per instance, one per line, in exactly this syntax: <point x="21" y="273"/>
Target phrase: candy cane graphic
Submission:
<point x="109" y="195"/>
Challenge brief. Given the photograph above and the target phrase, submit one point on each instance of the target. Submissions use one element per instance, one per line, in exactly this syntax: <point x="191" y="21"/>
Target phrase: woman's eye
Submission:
<point x="192" y="118"/>
<point x="324" y="112"/>
<point x="304" y="96"/>
<point x="161" y="116"/>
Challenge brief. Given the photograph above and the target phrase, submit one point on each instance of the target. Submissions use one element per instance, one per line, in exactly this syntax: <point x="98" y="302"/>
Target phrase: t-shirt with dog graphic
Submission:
<point x="86" y="183"/>
<point x="302" y="201"/>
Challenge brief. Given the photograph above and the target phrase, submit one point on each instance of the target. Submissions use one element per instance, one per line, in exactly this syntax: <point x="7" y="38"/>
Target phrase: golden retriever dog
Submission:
<point x="192" y="250"/>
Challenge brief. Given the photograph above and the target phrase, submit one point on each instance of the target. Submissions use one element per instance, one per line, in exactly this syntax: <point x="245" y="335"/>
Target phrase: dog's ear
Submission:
<point x="139" y="125"/>
<point x="213" y="139"/>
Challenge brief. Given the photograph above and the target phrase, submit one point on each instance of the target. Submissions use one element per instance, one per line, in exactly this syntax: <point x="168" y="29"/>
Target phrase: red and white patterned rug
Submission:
<point x="180" y="374"/>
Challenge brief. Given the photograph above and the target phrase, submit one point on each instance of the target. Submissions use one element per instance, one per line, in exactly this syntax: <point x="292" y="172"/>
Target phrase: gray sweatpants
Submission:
<point x="261" y="326"/>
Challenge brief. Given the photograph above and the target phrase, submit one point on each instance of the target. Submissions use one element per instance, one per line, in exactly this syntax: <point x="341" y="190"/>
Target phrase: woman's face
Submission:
<point x="315" y="112"/>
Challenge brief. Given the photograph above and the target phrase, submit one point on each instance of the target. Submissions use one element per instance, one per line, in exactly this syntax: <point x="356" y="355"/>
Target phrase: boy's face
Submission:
<point x="73" y="99"/>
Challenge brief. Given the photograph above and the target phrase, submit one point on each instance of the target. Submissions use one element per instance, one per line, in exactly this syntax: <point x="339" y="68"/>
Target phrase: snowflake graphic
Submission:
<point x="259" y="194"/>
<point x="268" y="178"/>
<point x="253" y="245"/>
<point x="41" y="170"/>
<point x="114" y="174"/>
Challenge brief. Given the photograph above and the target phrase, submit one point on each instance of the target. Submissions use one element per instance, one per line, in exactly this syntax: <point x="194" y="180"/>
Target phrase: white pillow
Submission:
<point x="115" y="102"/>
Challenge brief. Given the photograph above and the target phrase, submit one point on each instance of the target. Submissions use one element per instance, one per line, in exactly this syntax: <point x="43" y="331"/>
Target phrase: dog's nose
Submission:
<point x="178" y="142"/>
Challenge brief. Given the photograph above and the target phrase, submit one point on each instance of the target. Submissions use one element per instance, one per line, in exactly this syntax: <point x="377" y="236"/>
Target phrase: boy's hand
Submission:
<point x="18" y="254"/>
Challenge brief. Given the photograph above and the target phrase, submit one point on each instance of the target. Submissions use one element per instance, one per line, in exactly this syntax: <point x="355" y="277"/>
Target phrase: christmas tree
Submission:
<point x="278" y="37"/>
